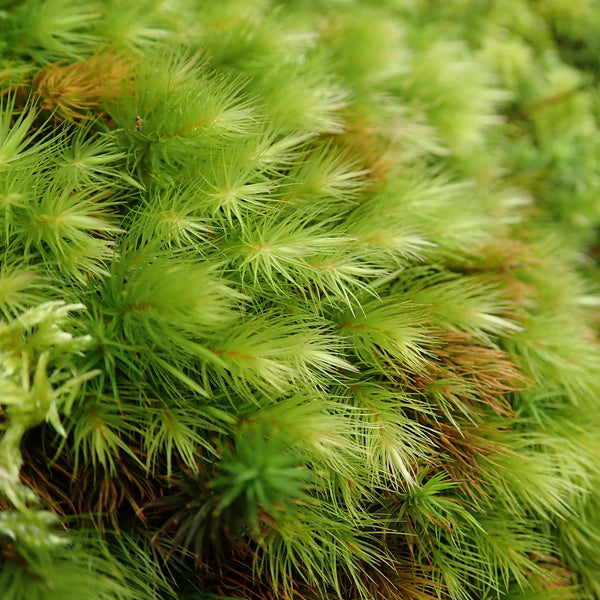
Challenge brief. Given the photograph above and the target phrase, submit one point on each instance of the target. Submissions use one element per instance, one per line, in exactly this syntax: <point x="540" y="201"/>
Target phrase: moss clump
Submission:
<point x="298" y="300"/>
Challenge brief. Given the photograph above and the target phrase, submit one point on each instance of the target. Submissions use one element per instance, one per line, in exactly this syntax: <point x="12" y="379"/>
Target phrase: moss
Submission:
<point x="299" y="300"/>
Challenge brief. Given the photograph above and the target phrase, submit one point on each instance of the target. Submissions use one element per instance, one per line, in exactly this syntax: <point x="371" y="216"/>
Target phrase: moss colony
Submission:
<point x="297" y="300"/>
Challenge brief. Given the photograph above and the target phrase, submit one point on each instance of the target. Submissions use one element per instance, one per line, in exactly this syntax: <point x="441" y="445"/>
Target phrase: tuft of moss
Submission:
<point x="299" y="300"/>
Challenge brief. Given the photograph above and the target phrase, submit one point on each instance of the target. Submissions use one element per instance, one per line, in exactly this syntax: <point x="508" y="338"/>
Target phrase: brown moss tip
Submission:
<point x="79" y="91"/>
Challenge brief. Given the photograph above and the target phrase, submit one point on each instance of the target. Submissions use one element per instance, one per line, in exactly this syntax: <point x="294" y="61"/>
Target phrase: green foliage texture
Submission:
<point x="299" y="299"/>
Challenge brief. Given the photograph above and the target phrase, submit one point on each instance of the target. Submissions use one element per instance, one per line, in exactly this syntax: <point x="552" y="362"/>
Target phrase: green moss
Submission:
<point x="299" y="300"/>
